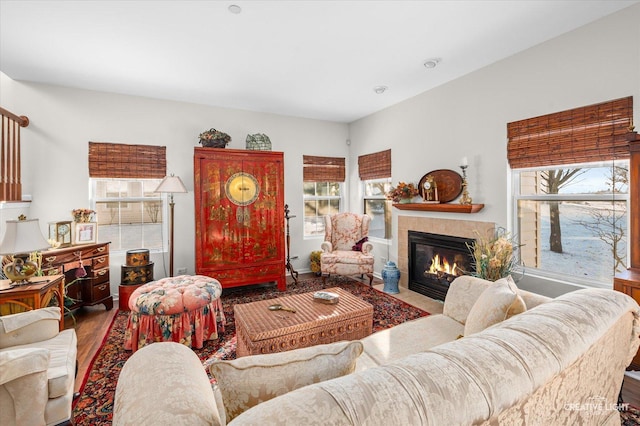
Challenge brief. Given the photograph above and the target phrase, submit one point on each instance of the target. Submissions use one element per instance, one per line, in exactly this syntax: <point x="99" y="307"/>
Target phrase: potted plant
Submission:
<point x="214" y="138"/>
<point x="315" y="262"/>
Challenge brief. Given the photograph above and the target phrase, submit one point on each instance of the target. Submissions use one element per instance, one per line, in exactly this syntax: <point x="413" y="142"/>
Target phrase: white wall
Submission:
<point x="64" y="120"/>
<point x="468" y="117"/>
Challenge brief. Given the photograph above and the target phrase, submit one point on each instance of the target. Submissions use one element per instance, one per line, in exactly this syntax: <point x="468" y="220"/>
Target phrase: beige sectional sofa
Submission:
<point x="524" y="359"/>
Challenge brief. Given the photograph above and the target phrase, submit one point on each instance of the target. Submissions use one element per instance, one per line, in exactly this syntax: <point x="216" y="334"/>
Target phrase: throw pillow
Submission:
<point x="358" y="245"/>
<point x="497" y="303"/>
<point x="248" y="381"/>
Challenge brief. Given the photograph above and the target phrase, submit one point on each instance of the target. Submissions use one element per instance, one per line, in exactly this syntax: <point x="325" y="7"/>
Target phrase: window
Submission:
<point x="122" y="181"/>
<point x="320" y="199"/>
<point x="130" y="214"/>
<point x="570" y="191"/>
<point x="572" y="222"/>
<point x="323" y="179"/>
<point x="374" y="171"/>
<point x="378" y="207"/>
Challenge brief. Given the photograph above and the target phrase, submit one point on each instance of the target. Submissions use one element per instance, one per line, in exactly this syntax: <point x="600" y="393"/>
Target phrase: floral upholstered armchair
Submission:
<point x="346" y="249"/>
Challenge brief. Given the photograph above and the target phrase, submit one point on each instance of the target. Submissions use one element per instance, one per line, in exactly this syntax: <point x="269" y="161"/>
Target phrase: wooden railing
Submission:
<point x="10" y="182"/>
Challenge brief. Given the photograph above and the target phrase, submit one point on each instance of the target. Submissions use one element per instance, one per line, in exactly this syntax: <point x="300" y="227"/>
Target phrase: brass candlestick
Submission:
<point x="465" y="198"/>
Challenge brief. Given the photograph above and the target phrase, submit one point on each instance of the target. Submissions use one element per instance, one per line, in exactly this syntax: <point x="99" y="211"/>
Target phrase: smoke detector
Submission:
<point x="431" y="62"/>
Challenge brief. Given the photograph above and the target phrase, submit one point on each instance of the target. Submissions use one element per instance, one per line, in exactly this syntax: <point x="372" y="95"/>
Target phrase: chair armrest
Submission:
<point x="326" y="247"/>
<point x="25" y="390"/>
<point x="16" y="363"/>
<point x="367" y="247"/>
<point x="29" y="327"/>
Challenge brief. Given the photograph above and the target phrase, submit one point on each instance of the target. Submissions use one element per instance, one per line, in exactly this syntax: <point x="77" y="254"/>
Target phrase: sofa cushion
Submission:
<point x="411" y="337"/>
<point x="497" y="303"/>
<point x="461" y="296"/>
<point x="31" y="326"/>
<point x="248" y="381"/>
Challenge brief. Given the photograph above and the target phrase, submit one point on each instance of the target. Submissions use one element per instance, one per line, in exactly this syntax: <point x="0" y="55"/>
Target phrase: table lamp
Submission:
<point x="21" y="238"/>
<point x="171" y="184"/>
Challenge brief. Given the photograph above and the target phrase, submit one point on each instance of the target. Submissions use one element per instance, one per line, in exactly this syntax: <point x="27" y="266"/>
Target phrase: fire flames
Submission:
<point x="443" y="267"/>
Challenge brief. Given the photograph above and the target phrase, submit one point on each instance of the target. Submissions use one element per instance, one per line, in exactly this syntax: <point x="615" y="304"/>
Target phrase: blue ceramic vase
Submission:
<point x="390" y="277"/>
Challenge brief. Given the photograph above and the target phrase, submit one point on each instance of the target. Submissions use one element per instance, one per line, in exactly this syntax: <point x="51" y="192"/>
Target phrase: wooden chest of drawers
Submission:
<point x="94" y="288"/>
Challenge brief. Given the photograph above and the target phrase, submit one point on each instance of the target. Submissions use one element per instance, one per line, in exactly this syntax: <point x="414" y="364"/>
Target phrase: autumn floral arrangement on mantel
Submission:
<point x="494" y="257"/>
<point x="403" y="193"/>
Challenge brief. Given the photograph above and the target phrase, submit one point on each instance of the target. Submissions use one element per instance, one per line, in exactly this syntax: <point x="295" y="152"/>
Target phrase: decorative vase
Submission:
<point x="390" y="277"/>
<point x="406" y="200"/>
<point x="213" y="143"/>
<point x="20" y="270"/>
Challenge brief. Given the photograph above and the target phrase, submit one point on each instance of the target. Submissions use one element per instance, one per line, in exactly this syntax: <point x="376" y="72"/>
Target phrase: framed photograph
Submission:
<point x="85" y="232"/>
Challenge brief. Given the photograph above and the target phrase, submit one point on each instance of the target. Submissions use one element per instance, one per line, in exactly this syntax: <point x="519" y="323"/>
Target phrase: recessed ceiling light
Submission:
<point x="235" y="9"/>
<point x="431" y="62"/>
<point x="380" y="89"/>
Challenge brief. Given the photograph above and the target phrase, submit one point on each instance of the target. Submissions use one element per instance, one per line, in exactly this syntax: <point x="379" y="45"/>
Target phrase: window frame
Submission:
<point x="516" y="197"/>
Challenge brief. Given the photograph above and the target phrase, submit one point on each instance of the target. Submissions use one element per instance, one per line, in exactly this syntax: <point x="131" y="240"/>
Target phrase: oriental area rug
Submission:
<point x="95" y="404"/>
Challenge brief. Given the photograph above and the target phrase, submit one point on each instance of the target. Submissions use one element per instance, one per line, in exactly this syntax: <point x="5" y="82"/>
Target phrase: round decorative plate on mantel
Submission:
<point x="448" y="182"/>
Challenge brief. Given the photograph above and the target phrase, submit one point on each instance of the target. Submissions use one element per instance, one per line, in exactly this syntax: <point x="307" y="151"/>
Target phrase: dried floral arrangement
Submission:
<point x="82" y="215"/>
<point x="402" y="191"/>
<point x="494" y="257"/>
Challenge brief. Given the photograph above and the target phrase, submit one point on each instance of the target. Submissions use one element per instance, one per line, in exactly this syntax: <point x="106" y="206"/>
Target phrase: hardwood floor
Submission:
<point x="92" y="324"/>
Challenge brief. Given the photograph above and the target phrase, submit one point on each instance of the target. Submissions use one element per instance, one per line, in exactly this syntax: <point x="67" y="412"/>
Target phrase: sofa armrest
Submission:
<point x="326" y="247"/>
<point x="165" y="383"/>
<point x="29" y="327"/>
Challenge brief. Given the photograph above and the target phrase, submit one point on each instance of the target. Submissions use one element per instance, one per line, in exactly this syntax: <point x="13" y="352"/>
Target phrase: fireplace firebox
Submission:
<point x="435" y="260"/>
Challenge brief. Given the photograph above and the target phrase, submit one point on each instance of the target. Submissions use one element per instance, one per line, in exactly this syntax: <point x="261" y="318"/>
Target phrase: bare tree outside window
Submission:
<point x="609" y="224"/>
<point x="552" y="182"/>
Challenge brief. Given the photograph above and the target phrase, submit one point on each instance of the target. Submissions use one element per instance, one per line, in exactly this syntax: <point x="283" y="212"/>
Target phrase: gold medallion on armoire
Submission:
<point x="242" y="189"/>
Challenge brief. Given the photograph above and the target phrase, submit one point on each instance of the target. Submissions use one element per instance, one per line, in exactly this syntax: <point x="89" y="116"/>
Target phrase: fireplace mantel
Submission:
<point x="447" y="208"/>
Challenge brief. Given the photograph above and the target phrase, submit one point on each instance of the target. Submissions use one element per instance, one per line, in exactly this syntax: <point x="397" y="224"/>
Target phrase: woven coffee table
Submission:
<point x="261" y="331"/>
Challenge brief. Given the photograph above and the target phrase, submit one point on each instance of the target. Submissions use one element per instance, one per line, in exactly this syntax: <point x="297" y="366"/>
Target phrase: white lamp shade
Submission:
<point x="22" y="236"/>
<point x="172" y="184"/>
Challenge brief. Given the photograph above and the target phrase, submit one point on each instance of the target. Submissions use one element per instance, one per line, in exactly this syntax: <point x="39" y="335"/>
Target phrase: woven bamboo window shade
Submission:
<point x="115" y="160"/>
<point x="323" y="169"/>
<point x="375" y="166"/>
<point x="587" y="134"/>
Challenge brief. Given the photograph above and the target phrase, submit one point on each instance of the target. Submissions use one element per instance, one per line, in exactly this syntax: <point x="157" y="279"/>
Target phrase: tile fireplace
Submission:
<point x="435" y="260"/>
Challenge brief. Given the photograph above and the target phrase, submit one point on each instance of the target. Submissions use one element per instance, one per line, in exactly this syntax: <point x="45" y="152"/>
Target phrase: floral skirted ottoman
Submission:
<point x="184" y="309"/>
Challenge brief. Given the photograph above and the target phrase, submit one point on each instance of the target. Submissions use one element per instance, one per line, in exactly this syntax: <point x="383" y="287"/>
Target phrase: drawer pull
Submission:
<point x="101" y="273"/>
<point x="50" y="258"/>
<point x="102" y="287"/>
<point x="101" y="260"/>
<point x="100" y="249"/>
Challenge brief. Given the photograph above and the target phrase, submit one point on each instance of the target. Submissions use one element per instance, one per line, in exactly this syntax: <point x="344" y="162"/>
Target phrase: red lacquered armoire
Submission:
<point x="239" y="209"/>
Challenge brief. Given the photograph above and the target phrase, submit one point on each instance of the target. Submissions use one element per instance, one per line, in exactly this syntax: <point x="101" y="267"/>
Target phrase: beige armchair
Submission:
<point x="344" y="232"/>
<point x="37" y="368"/>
